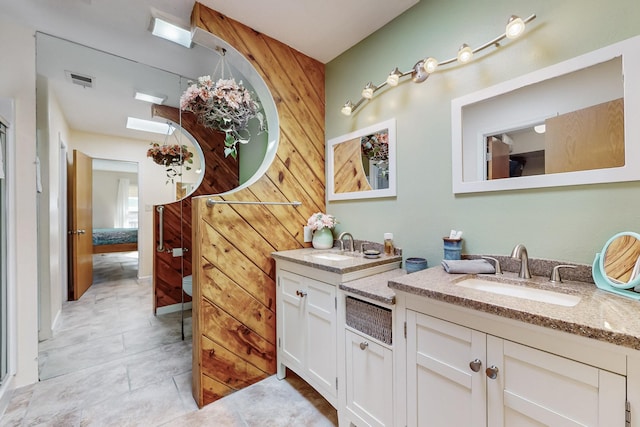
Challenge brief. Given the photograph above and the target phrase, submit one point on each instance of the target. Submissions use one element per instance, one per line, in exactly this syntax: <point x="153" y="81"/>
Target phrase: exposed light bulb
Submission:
<point x="430" y="65"/>
<point x="368" y="90"/>
<point x="394" y="77"/>
<point x="347" y="108"/>
<point x="515" y="27"/>
<point x="465" y="54"/>
<point x="540" y="128"/>
<point x="425" y="67"/>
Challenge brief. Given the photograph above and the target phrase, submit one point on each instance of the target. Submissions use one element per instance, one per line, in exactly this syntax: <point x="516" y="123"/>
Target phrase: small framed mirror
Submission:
<point x="568" y="124"/>
<point x="617" y="267"/>
<point x="362" y="164"/>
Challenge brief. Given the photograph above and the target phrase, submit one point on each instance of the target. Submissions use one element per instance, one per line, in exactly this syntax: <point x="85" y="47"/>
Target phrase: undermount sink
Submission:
<point x="518" y="291"/>
<point x="331" y="256"/>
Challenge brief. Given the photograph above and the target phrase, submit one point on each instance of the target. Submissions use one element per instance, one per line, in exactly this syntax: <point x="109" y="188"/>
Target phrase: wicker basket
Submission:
<point x="371" y="319"/>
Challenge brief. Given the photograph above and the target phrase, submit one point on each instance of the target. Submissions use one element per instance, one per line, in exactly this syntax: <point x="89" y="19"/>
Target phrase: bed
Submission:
<point x="107" y="240"/>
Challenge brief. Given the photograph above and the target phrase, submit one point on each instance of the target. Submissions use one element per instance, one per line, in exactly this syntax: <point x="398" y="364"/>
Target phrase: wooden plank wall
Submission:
<point x="220" y="174"/>
<point x="234" y="323"/>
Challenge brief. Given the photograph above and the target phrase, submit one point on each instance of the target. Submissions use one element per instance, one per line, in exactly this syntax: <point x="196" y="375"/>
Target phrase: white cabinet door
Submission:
<point x="369" y="381"/>
<point x="443" y="387"/>
<point x="516" y="385"/>
<point x="307" y="331"/>
<point x="535" y="388"/>
<point x="321" y="336"/>
<point x="291" y="320"/>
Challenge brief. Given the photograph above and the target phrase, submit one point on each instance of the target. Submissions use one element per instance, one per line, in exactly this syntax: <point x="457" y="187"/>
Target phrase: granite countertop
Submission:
<point x="355" y="262"/>
<point x="375" y="287"/>
<point x="599" y="315"/>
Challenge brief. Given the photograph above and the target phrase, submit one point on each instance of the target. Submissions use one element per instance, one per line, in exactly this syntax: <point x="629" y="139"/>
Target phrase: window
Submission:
<point x="132" y="207"/>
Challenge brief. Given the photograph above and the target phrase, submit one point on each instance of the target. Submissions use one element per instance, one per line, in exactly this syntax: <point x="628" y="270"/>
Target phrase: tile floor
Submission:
<point x="111" y="362"/>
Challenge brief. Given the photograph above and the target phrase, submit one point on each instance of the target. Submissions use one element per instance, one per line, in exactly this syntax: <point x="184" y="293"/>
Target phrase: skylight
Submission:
<point x="167" y="30"/>
<point x="150" y="126"/>
<point x="147" y="97"/>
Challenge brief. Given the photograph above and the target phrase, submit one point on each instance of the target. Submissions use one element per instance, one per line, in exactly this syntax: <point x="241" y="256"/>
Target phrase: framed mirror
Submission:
<point x="568" y="124"/>
<point x="362" y="164"/>
<point x="617" y="267"/>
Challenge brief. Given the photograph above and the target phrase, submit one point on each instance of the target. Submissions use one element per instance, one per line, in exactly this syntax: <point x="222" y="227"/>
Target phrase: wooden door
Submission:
<point x="590" y="138"/>
<point x="443" y="387"/>
<point x="498" y="161"/>
<point x="81" y="225"/>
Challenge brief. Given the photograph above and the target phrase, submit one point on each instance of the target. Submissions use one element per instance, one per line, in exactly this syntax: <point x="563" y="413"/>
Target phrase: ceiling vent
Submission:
<point x="80" y="79"/>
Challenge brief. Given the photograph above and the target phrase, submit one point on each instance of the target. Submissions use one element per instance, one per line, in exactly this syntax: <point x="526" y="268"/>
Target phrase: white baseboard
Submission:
<point x="55" y="320"/>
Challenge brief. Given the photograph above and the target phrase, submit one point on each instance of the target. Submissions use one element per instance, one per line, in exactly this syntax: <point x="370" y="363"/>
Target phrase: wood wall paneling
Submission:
<point x="234" y="336"/>
<point x="220" y="174"/>
<point x="348" y="170"/>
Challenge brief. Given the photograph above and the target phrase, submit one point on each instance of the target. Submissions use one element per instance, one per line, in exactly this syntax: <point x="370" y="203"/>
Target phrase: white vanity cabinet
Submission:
<point x="307" y="331"/>
<point x="459" y="376"/>
<point x="350" y="365"/>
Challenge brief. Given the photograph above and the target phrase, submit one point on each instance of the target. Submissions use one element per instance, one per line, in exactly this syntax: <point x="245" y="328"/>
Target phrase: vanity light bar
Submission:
<point x="424" y="67"/>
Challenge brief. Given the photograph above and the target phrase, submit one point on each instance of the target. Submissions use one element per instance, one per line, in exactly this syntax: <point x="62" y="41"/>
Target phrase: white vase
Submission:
<point x="322" y="238"/>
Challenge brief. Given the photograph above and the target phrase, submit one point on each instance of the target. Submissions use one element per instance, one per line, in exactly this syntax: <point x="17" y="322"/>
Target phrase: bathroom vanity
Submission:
<point x="479" y="358"/>
<point x="334" y="325"/>
<point x="457" y="353"/>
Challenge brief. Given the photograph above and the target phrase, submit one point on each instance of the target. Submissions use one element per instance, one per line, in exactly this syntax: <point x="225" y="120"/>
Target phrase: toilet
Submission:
<point x="187" y="285"/>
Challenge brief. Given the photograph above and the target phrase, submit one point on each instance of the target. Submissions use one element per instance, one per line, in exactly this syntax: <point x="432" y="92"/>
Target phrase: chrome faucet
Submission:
<point x="341" y="236"/>
<point x="555" y="273"/>
<point x="520" y="252"/>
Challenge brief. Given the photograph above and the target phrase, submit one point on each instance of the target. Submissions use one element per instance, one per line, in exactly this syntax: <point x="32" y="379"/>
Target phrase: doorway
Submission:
<point x="115" y="219"/>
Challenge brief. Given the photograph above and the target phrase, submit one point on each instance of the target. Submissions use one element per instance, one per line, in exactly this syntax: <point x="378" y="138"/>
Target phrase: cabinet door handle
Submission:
<point x="475" y="365"/>
<point x="301" y="294"/>
<point x="364" y="345"/>
<point x="492" y="372"/>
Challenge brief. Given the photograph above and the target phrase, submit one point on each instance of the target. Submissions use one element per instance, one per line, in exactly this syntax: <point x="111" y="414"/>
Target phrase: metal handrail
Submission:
<point x="211" y="202"/>
<point x="160" y="247"/>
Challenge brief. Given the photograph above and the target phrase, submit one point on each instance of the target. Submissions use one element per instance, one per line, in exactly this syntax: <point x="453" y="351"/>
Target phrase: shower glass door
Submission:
<point x="4" y="353"/>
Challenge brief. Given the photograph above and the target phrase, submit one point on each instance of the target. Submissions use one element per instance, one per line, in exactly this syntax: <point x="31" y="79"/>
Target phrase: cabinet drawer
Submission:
<point x="370" y="319"/>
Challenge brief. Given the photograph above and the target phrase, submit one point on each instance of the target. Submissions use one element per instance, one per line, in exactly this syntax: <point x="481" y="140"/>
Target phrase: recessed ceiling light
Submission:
<point x="149" y="126"/>
<point x="147" y="97"/>
<point x="170" y="31"/>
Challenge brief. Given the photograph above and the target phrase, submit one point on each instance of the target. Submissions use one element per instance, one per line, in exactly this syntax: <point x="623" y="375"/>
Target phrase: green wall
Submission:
<point x="565" y="223"/>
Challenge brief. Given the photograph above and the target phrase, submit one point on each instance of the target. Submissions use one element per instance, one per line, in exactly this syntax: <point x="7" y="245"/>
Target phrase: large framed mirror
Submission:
<point x="568" y="124"/>
<point x="362" y="164"/>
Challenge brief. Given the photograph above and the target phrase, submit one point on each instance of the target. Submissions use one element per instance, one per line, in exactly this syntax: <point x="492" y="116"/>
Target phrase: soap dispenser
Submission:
<point x="388" y="244"/>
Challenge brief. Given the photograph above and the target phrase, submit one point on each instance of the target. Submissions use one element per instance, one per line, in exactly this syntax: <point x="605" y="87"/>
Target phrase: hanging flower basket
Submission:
<point x="226" y="106"/>
<point x="172" y="157"/>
